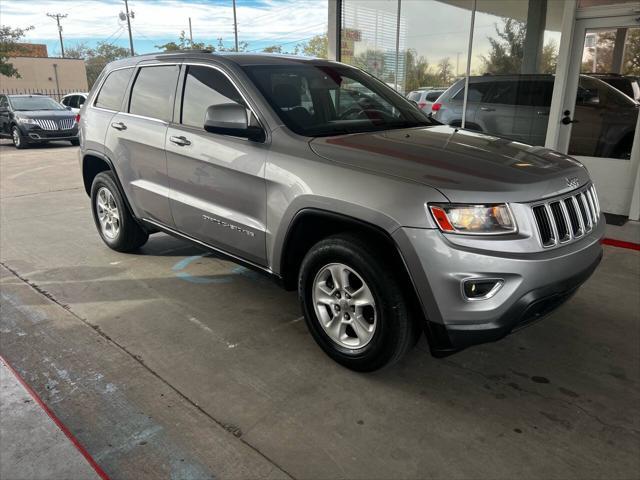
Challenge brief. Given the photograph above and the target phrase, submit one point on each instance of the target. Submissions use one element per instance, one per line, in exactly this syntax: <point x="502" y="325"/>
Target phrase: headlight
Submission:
<point x="25" y="120"/>
<point x="473" y="219"/>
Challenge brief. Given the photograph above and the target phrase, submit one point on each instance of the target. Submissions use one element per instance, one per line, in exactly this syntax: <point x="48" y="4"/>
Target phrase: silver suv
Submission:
<point x="517" y="107"/>
<point x="387" y="223"/>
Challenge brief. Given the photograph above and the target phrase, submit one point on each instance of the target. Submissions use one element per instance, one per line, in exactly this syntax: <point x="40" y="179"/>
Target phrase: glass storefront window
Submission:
<point x="421" y="48"/>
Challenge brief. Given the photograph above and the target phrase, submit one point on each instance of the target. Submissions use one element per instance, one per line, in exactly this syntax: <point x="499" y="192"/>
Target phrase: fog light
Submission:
<point x="481" y="288"/>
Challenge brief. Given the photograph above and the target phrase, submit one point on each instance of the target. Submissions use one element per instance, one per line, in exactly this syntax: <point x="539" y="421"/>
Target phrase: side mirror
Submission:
<point x="231" y="119"/>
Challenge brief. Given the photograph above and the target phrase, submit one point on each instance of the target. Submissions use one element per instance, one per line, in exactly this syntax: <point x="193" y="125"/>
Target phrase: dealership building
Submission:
<point x="536" y="71"/>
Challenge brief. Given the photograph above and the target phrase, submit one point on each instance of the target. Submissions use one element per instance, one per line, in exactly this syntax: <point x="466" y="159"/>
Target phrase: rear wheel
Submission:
<point x="353" y="305"/>
<point x="117" y="227"/>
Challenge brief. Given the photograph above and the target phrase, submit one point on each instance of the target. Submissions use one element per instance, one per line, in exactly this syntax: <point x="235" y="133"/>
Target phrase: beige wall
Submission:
<point x="38" y="75"/>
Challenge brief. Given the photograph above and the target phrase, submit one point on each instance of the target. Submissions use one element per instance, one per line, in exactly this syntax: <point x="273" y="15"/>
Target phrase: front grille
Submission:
<point x="62" y="124"/>
<point x="564" y="219"/>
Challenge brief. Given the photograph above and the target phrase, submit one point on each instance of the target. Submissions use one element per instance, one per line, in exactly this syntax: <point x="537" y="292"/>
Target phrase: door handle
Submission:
<point x="542" y="113"/>
<point x="566" y="119"/>
<point x="182" y="141"/>
<point x="487" y="109"/>
<point x="119" y="126"/>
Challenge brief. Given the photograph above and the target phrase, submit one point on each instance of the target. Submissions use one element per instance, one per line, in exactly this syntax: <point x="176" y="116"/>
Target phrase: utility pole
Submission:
<point x="235" y="24"/>
<point x="58" y="16"/>
<point x="128" y="16"/>
<point x="190" y="33"/>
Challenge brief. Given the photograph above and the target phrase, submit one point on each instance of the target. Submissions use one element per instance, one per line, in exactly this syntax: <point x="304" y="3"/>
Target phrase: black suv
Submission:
<point x="30" y="119"/>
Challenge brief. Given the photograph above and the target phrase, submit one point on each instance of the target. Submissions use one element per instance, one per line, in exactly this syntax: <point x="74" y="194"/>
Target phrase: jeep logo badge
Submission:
<point x="572" y="182"/>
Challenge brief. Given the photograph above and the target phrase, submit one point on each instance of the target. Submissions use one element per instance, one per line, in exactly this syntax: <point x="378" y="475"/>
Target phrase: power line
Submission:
<point x="58" y="16"/>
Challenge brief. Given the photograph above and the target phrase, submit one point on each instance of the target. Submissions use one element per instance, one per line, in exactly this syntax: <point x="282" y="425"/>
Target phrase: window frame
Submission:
<point x="172" y="99"/>
<point x="179" y="98"/>
<point x="94" y="100"/>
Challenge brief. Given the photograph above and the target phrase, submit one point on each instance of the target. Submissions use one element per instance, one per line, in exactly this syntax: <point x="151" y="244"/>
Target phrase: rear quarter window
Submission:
<point x="113" y="89"/>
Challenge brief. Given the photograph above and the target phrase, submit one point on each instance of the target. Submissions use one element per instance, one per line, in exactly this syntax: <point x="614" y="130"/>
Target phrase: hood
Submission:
<point x="45" y="114"/>
<point x="465" y="166"/>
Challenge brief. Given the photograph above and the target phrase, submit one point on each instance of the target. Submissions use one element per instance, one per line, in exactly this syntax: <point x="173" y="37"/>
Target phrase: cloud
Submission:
<point x="280" y="20"/>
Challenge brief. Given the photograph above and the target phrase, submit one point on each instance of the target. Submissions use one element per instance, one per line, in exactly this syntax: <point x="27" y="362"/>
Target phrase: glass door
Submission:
<point x="598" y="123"/>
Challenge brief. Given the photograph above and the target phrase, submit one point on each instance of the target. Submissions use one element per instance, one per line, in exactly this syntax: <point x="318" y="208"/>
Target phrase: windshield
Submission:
<point x="34" y="103"/>
<point x="322" y="100"/>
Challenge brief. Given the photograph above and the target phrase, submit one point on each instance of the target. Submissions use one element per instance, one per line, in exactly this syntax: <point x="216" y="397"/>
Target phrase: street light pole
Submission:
<point x="58" y="16"/>
<point x="235" y="24"/>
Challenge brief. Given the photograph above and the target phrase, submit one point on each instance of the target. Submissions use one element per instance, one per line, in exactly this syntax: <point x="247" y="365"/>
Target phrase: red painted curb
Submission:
<point x="621" y="243"/>
<point x="101" y="473"/>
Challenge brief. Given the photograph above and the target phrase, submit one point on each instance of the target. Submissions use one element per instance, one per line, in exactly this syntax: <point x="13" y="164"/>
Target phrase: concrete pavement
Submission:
<point x="173" y="356"/>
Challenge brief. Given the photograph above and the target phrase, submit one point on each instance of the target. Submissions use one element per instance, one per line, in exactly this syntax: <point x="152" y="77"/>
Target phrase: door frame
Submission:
<point x="574" y="24"/>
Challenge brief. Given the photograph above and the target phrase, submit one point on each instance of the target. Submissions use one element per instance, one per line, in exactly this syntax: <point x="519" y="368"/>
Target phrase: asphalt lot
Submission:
<point x="175" y="363"/>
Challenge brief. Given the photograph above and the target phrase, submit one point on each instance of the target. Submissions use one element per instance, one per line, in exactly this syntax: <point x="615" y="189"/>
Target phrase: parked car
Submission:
<point x="425" y="98"/>
<point x="387" y="223"/>
<point x="627" y="84"/>
<point x="30" y="119"/>
<point x="517" y="107"/>
<point x="74" y="101"/>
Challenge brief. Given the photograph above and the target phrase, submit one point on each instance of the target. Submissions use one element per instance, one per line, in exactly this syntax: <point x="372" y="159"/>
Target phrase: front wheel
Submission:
<point x="117" y="227"/>
<point x="353" y="305"/>
<point x="18" y="139"/>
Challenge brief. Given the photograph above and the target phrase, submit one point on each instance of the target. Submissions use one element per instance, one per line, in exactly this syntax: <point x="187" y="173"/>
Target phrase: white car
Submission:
<point x="425" y="98"/>
<point x="74" y="101"/>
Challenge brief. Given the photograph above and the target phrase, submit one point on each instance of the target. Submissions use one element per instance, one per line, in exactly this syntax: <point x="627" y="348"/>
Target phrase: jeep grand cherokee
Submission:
<point x="386" y="222"/>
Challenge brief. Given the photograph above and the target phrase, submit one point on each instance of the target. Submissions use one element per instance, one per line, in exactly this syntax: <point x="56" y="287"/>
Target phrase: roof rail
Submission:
<point x="187" y="50"/>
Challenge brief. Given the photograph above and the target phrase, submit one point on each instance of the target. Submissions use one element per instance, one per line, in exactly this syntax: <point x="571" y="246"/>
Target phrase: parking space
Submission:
<point x="193" y="366"/>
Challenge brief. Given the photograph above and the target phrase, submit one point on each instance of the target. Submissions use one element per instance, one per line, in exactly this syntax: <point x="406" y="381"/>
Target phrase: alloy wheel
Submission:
<point x="344" y="306"/>
<point x="108" y="214"/>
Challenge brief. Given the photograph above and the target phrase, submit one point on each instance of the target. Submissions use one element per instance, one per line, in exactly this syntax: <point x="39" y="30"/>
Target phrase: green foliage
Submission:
<point x="507" y="50"/>
<point x="632" y="53"/>
<point x="419" y="73"/>
<point x="273" y="49"/>
<point x="317" y="46"/>
<point x="95" y="59"/>
<point x="10" y="46"/>
<point x="185" y="43"/>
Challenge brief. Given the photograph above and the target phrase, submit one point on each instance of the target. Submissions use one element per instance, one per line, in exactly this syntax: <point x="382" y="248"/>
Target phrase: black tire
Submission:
<point x="130" y="235"/>
<point x="395" y="332"/>
<point x="75" y="142"/>
<point x="19" y="140"/>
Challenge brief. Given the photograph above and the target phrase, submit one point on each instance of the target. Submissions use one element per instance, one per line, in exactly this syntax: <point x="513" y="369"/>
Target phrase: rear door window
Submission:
<point x="534" y="93"/>
<point x="503" y="93"/>
<point x="477" y="92"/>
<point x="113" y="89"/>
<point x="153" y="92"/>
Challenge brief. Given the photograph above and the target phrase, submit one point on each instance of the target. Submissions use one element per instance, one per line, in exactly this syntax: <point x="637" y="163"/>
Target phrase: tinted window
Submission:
<point x="204" y="87"/>
<point x="476" y="92"/>
<point x="432" y="96"/>
<point x="153" y="91"/>
<point x="71" y="101"/>
<point x="534" y="93"/>
<point x="113" y="89"/>
<point x="503" y="92"/>
<point x="81" y="100"/>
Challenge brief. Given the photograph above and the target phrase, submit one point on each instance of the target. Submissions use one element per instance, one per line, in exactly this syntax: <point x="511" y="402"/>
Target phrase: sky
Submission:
<point x="260" y="22"/>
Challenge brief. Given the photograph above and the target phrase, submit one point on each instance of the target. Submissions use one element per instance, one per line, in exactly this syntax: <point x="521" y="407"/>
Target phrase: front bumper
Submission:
<point x="37" y="135"/>
<point x="534" y="284"/>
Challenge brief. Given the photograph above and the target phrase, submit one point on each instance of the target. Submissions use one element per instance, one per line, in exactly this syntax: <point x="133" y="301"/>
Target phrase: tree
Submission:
<point x="445" y="71"/>
<point x="185" y="43"/>
<point x="507" y="50"/>
<point x="632" y="53"/>
<point x="273" y="49"/>
<point x="10" y="47"/>
<point x="95" y="59"/>
<point x="242" y="46"/>
<point x="418" y="72"/>
<point x="317" y="46"/>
